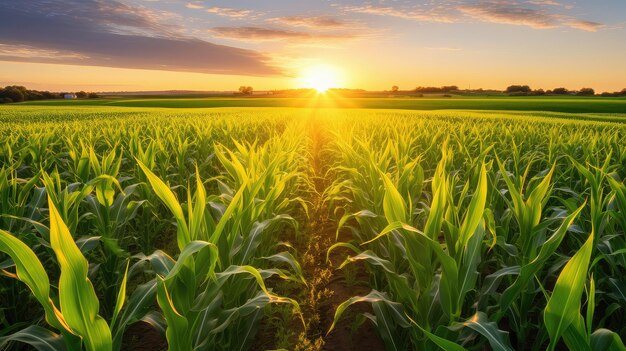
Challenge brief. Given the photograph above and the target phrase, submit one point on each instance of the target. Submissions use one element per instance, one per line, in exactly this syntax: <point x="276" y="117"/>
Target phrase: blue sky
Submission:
<point x="213" y="44"/>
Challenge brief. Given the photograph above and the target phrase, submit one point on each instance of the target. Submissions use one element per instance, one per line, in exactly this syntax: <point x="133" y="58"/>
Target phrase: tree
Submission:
<point x="18" y="93"/>
<point x="49" y="95"/>
<point x="246" y="90"/>
<point x="435" y="90"/>
<point x="395" y="88"/>
<point x="81" y="94"/>
<point x="518" y="89"/>
<point x="93" y="96"/>
<point x="13" y="92"/>
<point x="560" y="91"/>
<point x="586" y="92"/>
<point x="33" y="95"/>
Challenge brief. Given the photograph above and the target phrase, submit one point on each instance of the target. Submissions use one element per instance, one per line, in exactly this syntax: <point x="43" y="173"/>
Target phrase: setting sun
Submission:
<point x="321" y="78"/>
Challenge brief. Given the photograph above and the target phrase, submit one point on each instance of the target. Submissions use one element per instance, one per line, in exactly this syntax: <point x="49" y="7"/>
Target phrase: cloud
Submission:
<point x="531" y="13"/>
<point x="24" y="52"/>
<point x="544" y="2"/>
<point x="419" y="14"/>
<point x="510" y="13"/>
<point x="112" y="34"/>
<point x="515" y="13"/>
<point x="194" y="6"/>
<point x="588" y="26"/>
<point x="271" y="34"/>
<point x="317" y="22"/>
<point x="229" y="12"/>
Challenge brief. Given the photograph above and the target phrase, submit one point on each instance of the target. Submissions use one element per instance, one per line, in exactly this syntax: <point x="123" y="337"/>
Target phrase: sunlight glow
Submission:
<point x="320" y="78"/>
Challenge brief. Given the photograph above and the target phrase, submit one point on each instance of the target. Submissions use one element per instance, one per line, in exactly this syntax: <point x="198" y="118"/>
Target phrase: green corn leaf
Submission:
<point x="390" y="228"/>
<point x="576" y="337"/>
<point x="198" y="209"/>
<point x="341" y="244"/>
<point x="251" y="312"/>
<point x="468" y="270"/>
<point x="387" y="313"/>
<point x="498" y="339"/>
<point x="257" y="275"/>
<point x="31" y="272"/>
<point x="190" y="249"/>
<point x="395" y="309"/>
<point x="232" y="206"/>
<point x="78" y="300"/>
<point x="443" y="343"/>
<point x="177" y="332"/>
<point x="606" y="340"/>
<point x="449" y="290"/>
<point x="564" y="304"/>
<point x="141" y="300"/>
<point x="345" y="218"/>
<point x="538" y="195"/>
<point x="40" y="338"/>
<point x="381" y="263"/>
<point x="528" y="271"/>
<point x="475" y="210"/>
<point x="591" y="304"/>
<point x="121" y="296"/>
<point x="169" y="199"/>
<point x="289" y="259"/>
<point x="393" y="203"/>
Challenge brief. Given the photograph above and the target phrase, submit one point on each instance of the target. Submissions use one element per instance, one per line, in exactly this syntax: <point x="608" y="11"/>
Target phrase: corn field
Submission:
<point x="473" y="231"/>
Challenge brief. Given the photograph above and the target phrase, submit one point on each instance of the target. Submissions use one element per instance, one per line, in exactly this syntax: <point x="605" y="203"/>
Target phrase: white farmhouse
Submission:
<point x="69" y="96"/>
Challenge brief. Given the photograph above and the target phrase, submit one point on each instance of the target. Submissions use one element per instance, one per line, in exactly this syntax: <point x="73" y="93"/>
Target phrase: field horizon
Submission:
<point x="570" y="104"/>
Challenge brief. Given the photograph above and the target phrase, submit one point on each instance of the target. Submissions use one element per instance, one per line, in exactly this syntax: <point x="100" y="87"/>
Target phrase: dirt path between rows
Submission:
<point x="328" y="287"/>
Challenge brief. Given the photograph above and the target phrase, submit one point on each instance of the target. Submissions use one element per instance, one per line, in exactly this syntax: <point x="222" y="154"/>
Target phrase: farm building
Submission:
<point x="69" y="96"/>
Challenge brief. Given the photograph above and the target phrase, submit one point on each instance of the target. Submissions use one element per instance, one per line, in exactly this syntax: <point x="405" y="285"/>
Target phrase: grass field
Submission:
<point x="263" y="224"/>
<point x="570" y="104"/>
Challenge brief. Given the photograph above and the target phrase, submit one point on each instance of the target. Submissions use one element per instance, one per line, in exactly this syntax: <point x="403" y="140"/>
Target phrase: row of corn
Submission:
<point x="181" y="221"/>
<point x="482" y="233"/>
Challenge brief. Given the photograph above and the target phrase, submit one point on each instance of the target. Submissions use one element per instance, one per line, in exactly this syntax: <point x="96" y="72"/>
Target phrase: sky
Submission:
<point x="137" y="45"/>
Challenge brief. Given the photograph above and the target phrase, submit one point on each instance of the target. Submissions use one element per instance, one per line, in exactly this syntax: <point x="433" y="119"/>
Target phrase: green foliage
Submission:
<point x="94" y="269"/>
<point x="479" y="230"/>
<point x="469" y="248"/>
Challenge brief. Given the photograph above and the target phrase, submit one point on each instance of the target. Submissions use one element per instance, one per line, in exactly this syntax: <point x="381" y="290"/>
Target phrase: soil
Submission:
<point x="142" y="336"/>
<point x="346" y="335"/>
<point x="327" y="286"/>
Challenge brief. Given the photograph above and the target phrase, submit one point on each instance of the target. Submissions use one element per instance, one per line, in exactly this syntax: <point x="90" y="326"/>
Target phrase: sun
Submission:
<point x="320" y="77"/>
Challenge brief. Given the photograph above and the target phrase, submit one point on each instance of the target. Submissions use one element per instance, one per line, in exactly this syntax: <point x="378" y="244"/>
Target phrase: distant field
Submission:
<point x="549" y="103"/>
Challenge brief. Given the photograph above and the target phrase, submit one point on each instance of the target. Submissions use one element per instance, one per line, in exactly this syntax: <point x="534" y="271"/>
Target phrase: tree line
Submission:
<point x="512" y="90"/>
<point x="18" y="93"/>
<point x="524" y="90"/>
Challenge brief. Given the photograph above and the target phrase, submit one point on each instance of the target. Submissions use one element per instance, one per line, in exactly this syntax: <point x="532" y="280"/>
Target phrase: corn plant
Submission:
<point x="212" y="291"/>
<point x="445" y="291"/>
<point x="75" y="317"/>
